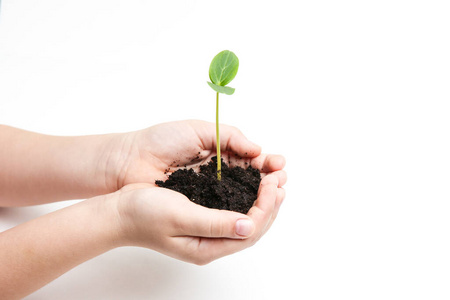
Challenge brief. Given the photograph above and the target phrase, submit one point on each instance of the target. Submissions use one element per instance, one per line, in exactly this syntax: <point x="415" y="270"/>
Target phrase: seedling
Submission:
<point x="222" y="70"/>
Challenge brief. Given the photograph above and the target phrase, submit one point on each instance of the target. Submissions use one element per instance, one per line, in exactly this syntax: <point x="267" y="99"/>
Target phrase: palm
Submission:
<point x="162" y="149"/>
<point x="185" y="230"/>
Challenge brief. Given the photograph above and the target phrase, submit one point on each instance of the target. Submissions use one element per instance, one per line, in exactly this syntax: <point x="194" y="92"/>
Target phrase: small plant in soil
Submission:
<point x="217" y="185"/>
<point x="222" y="70"/>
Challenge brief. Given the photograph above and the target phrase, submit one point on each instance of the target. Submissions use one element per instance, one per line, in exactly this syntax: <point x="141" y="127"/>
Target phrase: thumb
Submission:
<point x="200" y="221"/>
<point x="232" y="139"/>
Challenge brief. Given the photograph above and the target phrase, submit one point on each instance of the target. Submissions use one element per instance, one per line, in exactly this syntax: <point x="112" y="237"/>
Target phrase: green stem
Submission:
<point x="219" y="160"/>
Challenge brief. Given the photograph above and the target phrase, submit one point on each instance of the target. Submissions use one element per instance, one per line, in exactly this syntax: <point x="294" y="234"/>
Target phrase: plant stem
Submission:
<point x="219" y="160"/>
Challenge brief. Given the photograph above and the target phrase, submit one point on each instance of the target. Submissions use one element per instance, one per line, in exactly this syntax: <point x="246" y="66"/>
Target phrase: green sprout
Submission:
<point x="222" y="70"/>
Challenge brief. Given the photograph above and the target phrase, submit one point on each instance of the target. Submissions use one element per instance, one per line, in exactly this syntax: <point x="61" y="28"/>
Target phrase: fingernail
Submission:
<point x="244" y="227"/>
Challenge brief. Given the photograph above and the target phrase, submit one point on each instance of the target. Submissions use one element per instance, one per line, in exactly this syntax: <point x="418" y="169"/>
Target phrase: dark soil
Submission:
<point x="236" y="191"/>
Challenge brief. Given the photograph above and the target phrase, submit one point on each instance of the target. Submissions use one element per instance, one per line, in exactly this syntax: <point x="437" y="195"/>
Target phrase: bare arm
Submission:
<point x="37" y="168"/>
<point x="38" y="251"/>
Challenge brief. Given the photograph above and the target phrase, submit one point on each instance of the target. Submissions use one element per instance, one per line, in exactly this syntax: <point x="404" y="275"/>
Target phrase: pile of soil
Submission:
<point x="236" y="191"/>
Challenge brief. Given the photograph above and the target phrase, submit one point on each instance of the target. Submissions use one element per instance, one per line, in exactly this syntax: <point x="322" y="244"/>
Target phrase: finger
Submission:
<point x="281" y="176"/>
<point x="281" y="194"/>
<point x="207" y="250"/>
<point x="268" y="163"/>
<point x="200" y="221"/>
<point x="202" y="251"/>
<point x="231" y="139"/>
<point x="264" y="206"/>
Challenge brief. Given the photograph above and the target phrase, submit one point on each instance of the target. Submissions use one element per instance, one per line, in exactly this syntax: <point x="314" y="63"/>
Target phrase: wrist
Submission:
<point x="107" y="220"/>
<point x="115" y="158"/>
<point x="126" y="214"/>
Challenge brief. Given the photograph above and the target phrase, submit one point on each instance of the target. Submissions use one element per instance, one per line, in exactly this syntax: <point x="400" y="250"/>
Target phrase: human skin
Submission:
<point x="125" y="208"/>
<point x="38" y="168"/>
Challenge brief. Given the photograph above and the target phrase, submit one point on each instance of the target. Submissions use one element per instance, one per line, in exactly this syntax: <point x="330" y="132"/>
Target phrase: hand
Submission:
<point x="39" y="168"/>
<point x="168" y="222"/>
<point x="152" y="154"/>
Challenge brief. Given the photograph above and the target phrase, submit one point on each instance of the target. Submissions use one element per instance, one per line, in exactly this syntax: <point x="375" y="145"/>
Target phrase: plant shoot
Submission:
<point x="222" y="70"/>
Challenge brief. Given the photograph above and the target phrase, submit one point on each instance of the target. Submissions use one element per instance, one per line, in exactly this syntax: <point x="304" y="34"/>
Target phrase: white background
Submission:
<point x="355" y="95"/>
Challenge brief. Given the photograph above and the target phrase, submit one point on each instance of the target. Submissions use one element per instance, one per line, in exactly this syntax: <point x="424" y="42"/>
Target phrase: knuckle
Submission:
<point x="237" y="130"/>
<point x="196" y="254"/>
<point x="202" y="259"/>
<point x="217" y="227"/>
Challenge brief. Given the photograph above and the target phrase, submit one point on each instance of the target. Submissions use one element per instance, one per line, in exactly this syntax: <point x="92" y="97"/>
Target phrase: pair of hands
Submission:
<point x="167" y="221"/>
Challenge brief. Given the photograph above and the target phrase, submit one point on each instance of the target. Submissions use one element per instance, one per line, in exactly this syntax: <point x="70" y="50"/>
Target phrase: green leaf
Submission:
<point x="223" y="68"/>
<point x="221" y="89"/>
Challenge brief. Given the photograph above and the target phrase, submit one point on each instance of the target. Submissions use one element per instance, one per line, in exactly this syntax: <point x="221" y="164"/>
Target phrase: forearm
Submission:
<point x="35" y="253"/>
<point x="37" y="168"/>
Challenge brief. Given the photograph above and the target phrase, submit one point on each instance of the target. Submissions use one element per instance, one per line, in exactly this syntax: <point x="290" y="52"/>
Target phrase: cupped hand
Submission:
<point x="153" y="153"/>
<point x="168" y="222"/>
